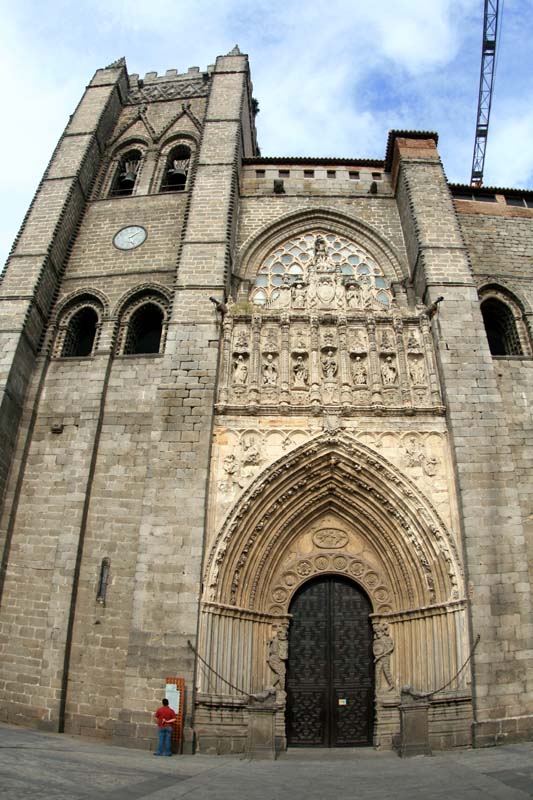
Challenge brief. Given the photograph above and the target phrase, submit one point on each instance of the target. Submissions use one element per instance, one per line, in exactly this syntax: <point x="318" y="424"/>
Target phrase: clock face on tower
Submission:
<point x="130" y="237"/>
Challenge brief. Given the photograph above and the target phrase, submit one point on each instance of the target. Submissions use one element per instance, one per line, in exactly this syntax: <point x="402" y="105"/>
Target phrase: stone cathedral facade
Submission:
<point x="265" y="426"/>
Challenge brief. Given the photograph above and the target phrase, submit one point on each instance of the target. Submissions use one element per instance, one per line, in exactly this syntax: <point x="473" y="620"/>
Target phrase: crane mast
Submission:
<point x="486" y="82"/>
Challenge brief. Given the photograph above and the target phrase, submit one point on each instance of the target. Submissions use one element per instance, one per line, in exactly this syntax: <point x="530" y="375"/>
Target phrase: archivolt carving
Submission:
<point x="297" y="571"/>
<point x="333" y="474"/>
<point x="261" y="242"/>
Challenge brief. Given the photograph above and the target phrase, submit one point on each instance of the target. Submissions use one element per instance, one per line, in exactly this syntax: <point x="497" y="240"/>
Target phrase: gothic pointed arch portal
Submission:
<point x="332" y="506"/>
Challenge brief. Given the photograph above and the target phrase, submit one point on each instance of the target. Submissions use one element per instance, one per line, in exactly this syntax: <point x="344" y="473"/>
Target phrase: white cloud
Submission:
<point x="331" y="77"/>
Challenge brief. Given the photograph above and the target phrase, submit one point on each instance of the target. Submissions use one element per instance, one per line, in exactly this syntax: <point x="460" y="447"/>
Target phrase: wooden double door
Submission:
<point x="330" y="691"/>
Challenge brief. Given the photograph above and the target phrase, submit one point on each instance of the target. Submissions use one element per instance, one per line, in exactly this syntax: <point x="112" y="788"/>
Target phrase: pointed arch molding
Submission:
<point x="257" y="247"/>
<point x="405" y="557"/>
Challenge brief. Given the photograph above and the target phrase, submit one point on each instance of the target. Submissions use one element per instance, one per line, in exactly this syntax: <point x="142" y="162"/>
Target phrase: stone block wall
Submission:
<point x="495" y="547"/>
<point x="116" y="461"/>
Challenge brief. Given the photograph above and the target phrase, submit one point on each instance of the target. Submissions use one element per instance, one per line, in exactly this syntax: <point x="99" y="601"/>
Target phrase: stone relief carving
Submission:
<point x="296" y="572"/>
<point x="382" y="648"/>
<point x="416" y="456"/>
<point x="330" y="538"/>
<point x="298" y="352"/>
<point x="239" y="467"/>
<point x="427" y="550"/>
<point x="169" y="91"/>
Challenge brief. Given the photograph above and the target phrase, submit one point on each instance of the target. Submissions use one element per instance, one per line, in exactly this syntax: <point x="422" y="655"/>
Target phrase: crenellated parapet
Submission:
<point x="173" y="85"/>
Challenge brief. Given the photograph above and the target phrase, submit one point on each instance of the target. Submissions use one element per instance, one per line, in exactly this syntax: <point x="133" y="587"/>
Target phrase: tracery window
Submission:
<point x="296" y="259"/>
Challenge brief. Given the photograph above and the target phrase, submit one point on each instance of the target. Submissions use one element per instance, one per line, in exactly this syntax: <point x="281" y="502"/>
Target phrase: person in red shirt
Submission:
<point x="165" y="718"/>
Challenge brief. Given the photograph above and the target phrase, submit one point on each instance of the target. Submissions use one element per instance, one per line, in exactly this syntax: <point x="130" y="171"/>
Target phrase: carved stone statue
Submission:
<point x="353" y="297"/>
<point x="386" y="341"/>
<point x="359" y="372"/>
<point x="300" y="373"/>
<point x="329" y="365"/>
<point x="412" y="342"/>
<point x="417" y="371"/>
<point x="358" y="342"/>
<point x="240" y="371"/>
<point x="283" y="299"/>
<point x="278" y="652"/>
<point x="367" y="293"/>
<point x="382" y="649"/>
<point x="299" y="295"/>
<point x="270" y="371"/>
<point x="241" y="342"/>
<point x="321" y="254"/>
<point x="388" y="372"/>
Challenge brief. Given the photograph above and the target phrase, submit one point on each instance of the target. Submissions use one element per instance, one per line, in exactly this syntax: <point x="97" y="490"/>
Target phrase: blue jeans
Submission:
<point x="165" y="739"/>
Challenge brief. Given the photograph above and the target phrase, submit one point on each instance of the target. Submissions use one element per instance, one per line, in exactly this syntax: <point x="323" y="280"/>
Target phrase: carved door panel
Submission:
<point x="330" y="669"/>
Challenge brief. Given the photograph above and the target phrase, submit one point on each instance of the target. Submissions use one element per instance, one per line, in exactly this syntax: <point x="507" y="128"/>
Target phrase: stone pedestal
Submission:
<point x="261" y="742"/>
<point x="414" y="731"/>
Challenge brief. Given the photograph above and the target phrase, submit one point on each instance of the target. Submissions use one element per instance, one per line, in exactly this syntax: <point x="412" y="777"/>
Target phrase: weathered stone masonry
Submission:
<point x="310" y="409"/>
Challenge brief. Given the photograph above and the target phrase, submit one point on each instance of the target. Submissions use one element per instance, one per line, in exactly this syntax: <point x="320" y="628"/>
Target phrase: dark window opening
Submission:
<point x="309" y="173"/>
<point x="331" y="173"/>
<point x="515" y="201"/>
<point x="260" y="173"/>
<point x="501" y="328"/>
<point x="80" y="334"/>
<point x="354" y="176"/>
<point x="177" y="169"/>
<point x="144" y="330"/>
<point x="103" y="581"/>
<point x="126" y="176"/>
<point x="284" y="173"/>
<point x="376" y="176"/>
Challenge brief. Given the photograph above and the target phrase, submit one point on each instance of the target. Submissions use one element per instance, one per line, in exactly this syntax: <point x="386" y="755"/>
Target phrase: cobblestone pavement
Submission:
<point x="58" y="767"/>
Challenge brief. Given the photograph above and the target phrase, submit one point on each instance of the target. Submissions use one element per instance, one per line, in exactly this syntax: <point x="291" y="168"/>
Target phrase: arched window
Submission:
<point x="80" y="333"/>
<point x="144" y="330"/>
<point x="126" y="174"/>
<point x="176" y="169"/>
<point x="292" y="266"/>
<point x="501" y="328"/>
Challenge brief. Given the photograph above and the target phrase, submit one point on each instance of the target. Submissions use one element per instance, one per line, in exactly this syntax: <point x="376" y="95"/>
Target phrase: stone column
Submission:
<point x="373" y="363"/>
<point x="284" y="365"/>
<point x="314" y="364"/>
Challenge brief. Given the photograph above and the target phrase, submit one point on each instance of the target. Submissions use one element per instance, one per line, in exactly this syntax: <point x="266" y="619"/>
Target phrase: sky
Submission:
<point x="332" y="78"/>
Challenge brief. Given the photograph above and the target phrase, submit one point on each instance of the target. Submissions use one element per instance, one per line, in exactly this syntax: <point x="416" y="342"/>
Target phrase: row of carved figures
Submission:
<point x="329" y="367"/>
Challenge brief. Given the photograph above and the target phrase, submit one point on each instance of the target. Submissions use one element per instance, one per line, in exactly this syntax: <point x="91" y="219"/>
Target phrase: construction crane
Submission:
<point x="486" y="82"/>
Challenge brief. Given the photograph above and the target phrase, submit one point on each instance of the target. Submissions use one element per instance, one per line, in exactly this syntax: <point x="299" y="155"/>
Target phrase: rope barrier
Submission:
<point x="210" y="668"/>
<point x="415" y="694"/>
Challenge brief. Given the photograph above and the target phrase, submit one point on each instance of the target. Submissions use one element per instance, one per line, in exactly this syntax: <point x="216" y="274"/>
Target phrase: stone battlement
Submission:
<point x="170" y="75"/>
